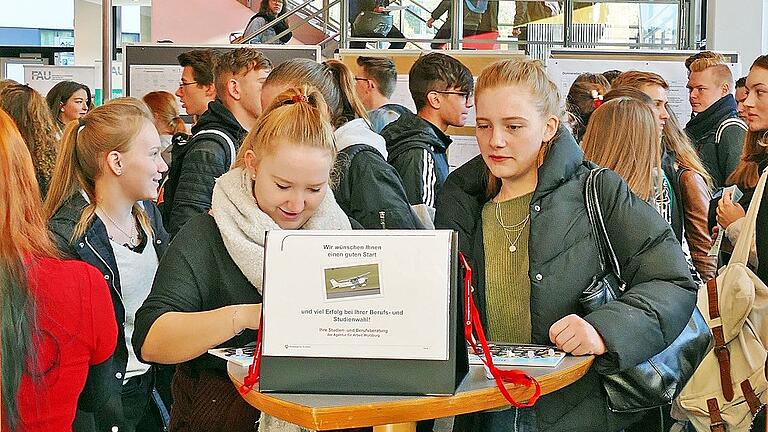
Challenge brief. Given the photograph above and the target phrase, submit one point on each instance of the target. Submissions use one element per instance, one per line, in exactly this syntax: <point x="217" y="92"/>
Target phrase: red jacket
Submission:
<point x="76" y="329"/>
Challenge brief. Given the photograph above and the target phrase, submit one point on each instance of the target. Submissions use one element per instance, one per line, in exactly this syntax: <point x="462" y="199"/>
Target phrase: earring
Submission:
<point x="762" y="141"/>
<point x="118" y="173"/>
<point x="253" y="177"/>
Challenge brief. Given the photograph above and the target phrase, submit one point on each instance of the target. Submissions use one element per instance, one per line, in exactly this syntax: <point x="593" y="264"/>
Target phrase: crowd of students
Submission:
<point x="106" y="322"/>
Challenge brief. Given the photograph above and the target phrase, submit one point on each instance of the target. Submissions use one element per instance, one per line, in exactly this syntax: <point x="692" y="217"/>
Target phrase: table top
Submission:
<point x="476" y="393"/>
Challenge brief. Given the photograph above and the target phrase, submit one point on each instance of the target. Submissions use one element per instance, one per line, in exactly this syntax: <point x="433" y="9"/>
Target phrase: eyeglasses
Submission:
<point x="466" y="95"/>
<point x="183" y="84"/>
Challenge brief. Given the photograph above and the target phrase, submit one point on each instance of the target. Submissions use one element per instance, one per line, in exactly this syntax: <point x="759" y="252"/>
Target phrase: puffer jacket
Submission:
<point x="418" y="151"/>
<point x="369" y="190"/>
<point x="564" y="258"/>
<point x="197" y="164"/>
<point x="717" y="134"/>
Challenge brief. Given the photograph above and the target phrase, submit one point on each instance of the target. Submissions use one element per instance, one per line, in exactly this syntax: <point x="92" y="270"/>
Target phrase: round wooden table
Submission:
<point x="400" y="413"/>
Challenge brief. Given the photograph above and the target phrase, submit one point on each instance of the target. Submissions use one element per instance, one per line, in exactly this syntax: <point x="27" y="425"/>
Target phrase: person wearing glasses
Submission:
<point x="196" y="88"/>
<point x="441" y="87"/>
<point x="239" y="75"/>
<point x="375" y="82"/>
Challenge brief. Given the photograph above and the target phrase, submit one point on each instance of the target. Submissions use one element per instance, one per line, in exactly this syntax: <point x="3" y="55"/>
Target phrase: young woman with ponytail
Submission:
<point x="100" y="211"/>
<point x="210" y="296"/>
<point x="56" y="319"/>
<point x="369" y="190"/>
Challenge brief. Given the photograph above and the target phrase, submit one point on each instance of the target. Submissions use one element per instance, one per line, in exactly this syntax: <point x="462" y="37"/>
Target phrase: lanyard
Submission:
<point x="473" y="325"/>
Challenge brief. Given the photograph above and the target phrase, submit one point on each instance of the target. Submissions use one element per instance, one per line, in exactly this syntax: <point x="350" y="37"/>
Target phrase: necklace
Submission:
<point x="133" y="240"/>
<point x="518" y="228"/>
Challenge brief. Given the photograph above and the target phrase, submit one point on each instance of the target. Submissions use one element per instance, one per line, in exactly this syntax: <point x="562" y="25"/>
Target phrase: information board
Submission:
<point x="42" y="78"/>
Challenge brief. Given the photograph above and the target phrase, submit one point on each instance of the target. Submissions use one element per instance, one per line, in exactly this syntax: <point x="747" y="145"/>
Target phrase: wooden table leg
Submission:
<point x="396" y="427"/>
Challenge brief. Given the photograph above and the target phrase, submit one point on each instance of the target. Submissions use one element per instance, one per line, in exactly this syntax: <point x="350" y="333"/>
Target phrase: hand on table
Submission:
<point x="576" y="336"/>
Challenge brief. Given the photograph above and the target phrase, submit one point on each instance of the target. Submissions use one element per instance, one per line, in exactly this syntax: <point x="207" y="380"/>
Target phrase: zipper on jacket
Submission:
<point x="108" y="268"/>
<point x="382" y="220"/>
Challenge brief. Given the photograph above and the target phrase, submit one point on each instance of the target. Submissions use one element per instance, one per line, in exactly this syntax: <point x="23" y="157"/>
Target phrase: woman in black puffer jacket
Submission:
<point x="520" y="212"/>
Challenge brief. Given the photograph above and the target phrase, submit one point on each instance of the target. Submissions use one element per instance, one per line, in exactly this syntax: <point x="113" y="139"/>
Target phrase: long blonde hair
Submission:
<point x="530" y="75"/>
<point x="298" y="116"/>
<point x="623" y="135"/>
<point x="675" y="139"/>
<point x="110" y="127"/>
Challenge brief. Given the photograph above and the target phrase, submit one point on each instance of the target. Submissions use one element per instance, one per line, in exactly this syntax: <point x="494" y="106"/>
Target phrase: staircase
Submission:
<point x="316" y="22"/>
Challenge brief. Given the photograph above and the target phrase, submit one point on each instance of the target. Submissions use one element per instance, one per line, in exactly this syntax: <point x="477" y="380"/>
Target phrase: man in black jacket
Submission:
<point x="441" y="87"/>
<point x="716" y="130"/>
<point x="197" y="164"/>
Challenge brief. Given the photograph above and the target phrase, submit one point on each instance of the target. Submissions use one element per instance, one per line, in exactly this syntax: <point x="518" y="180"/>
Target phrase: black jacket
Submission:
<point x="563" y="259"/>
<point x="417" y="149"/>
<point x="370" y="191"/>
<point x="197" y="164"/>
<point x="94" y="248"/>
<point x="718" y="137"/>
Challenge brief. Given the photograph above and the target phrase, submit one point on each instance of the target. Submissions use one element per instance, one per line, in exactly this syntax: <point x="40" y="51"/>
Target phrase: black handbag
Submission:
<point x="658" y="380"/>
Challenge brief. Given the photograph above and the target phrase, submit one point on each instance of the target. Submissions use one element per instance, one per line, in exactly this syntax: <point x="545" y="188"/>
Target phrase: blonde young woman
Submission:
<point x="100" y="210"/>
<point x="690" y="183"/>
<point x="526" y="190"/>
<point x="206" y="297"/>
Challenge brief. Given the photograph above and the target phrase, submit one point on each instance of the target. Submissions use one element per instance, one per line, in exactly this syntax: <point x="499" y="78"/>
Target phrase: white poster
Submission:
<point x="42" y="78"/>
<point x="462" y="150"/>
<point x="564" y="71"/>
<point x="146" y="79"/>
<point x="357" y="294"/>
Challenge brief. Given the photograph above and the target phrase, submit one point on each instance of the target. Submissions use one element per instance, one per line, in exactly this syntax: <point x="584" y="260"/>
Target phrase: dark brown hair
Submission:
<point x="382" y="71"/>
<point x="437" y="72"/>
<point x="201" y="61"/>
<point x="238" y="61"/>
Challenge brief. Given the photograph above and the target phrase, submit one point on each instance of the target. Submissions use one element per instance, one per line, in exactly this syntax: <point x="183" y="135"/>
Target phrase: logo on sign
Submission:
<point x="41" y="75"/>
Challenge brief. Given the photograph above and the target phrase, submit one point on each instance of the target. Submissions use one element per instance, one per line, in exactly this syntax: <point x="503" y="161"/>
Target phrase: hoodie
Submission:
<point x="368" y="189"/>
<point x="717" y="134"/>
<point x="197" y="164"/>
<point x="417" y="149"/>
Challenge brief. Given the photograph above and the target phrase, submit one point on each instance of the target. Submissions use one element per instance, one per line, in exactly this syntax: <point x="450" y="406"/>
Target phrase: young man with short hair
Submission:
<point x="716" y="130"/>
<point x="442" y="88"/>
<point x="196" y="88"/>
<point x="375" y="82"/>
<point x="239" y="76"/>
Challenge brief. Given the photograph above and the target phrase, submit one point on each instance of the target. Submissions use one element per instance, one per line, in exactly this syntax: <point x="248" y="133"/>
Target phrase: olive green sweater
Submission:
<point x="508" y="288"/>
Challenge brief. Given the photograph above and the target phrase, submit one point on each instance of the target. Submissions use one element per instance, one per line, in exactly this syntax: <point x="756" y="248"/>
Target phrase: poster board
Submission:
<point x="42" y="78"/>
<point x="146" y="56"/>
<point x="367" y="313"/>
<point x="565" y="65"/>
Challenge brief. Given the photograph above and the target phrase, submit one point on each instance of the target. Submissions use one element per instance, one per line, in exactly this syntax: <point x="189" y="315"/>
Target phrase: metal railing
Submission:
<point x="332" y="19"/>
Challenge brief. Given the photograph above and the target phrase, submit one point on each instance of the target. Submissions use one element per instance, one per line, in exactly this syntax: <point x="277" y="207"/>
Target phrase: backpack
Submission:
<point x="729" y="386"/>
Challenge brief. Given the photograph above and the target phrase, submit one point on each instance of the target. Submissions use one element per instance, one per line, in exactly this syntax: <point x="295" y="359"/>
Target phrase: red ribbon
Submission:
<point x="472" y="324"/>
<point x="254" y="369"/>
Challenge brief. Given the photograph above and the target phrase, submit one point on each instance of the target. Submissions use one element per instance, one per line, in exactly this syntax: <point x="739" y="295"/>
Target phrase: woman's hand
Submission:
<point x="727" y="211"/>
<point x="576" y="336"/>
<point x="247" y="316"/>
<point x="430" y="22"/>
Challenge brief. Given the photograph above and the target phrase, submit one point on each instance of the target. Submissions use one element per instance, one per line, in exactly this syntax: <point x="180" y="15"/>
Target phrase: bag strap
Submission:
<point x="746" y="237"/>
<point x="595" y="214"/>
<point x="472" y="325"/>
<point x="255" y="368"/>
<point x="722" y="353"/>
<point x="227" y="139"/>
<point x="716" y="423"/>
